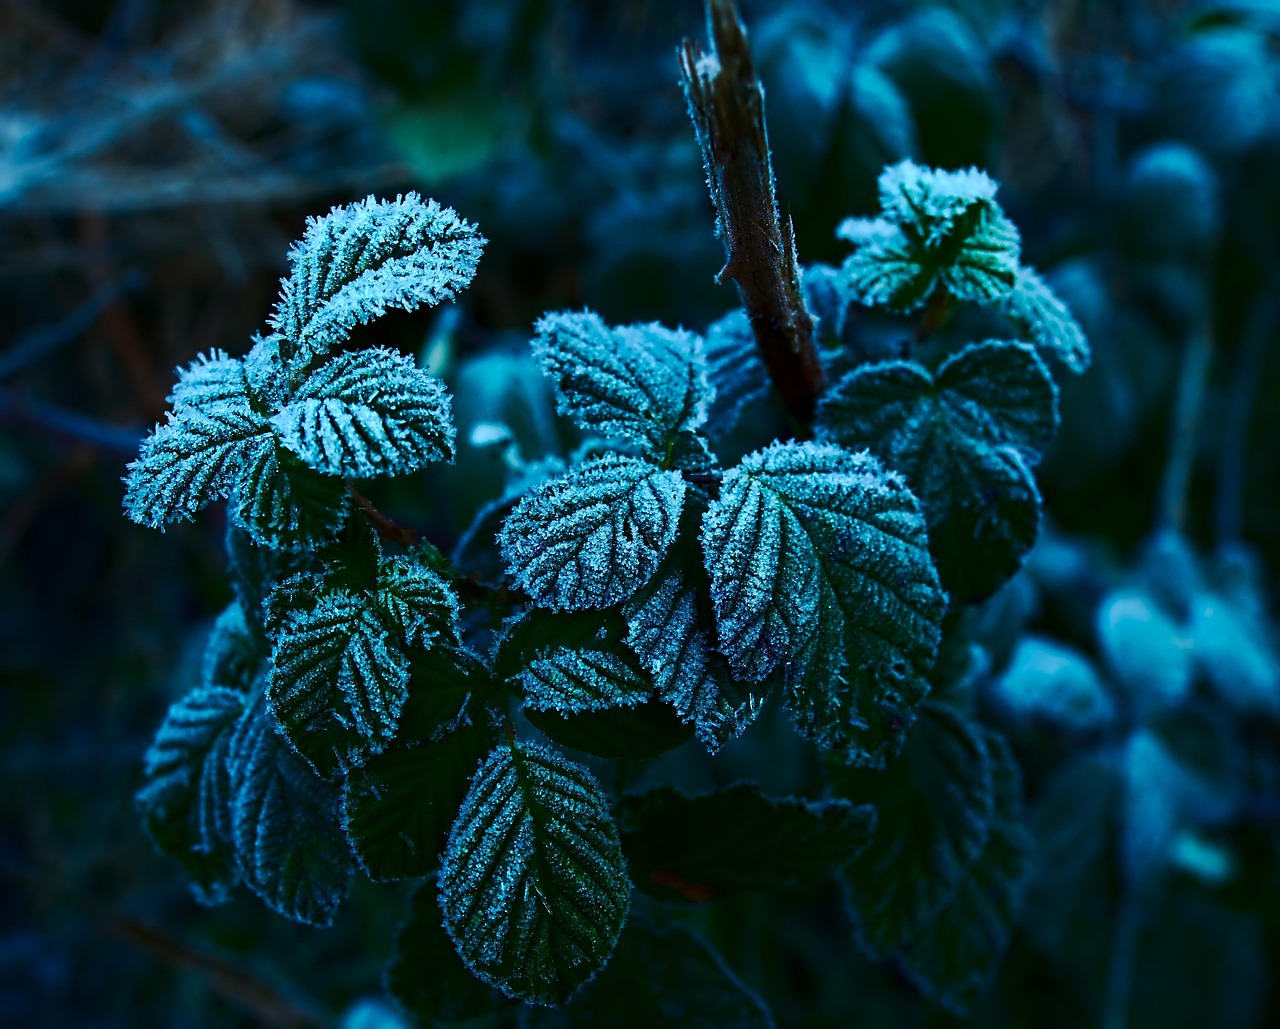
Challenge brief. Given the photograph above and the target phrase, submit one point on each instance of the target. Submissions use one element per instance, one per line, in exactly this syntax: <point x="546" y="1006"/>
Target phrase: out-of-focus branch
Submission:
<point x="726" y="104"/>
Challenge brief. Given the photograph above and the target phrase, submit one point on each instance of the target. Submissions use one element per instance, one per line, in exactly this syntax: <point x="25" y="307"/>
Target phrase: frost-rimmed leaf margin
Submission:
<point x="534" y="852"/>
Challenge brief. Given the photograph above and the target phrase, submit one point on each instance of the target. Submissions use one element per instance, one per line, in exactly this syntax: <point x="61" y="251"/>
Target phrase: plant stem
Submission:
<point x="386" y="527"/>
<point x="726" y="104"/>
<point x="1186" y="421"/>
<point x="1124" y="952"/>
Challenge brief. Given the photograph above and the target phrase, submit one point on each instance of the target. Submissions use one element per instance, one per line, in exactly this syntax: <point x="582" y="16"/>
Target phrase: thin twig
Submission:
<point x="388" y="529"/>
<point x="726" y="103"/>
<point x="1185" y="428"/>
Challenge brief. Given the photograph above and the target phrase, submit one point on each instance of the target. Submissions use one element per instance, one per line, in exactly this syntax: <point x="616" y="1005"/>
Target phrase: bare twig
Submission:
<point x="726" y="104"/>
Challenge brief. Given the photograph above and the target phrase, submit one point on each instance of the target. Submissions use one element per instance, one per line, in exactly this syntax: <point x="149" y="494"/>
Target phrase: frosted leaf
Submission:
<point x="1046" y="682"/>
<point x="367" y="413"/>
<point x="337" y="681"/>
<point x="1047" y="321"/>
<point x="1147" y="652"/>
<point x="192" y="459"/>
<point x="935" y="804"/>
<point x="184" y="804"/>
<point x="955" y="959"/>
<point x="415" y="602"/>
<point x="666" y="628"/>
<point x="641" y="383"/>
<point x="592" y="537"/>
<point x="533" y="885"/>
<point x="571" y="681"/>
<point x="939" y="229"/>
<point x="963" y="438"/>
<point x="737" y="839"/>
<point x="284" y="505"/>
<point x="736" y="371"/>
<point x="818" y="565"/>
<point x="358" y="261"/>
<point x="255" y="570"/>
<point x="234" y="652"/>
<point x="289" y="846"/>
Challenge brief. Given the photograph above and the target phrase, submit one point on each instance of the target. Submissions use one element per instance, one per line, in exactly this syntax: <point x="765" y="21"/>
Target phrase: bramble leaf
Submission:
<point x="415" y="602"/>
<point x="574" y="681"/>
<point x="592" y="537"/>
<point x="185" y="803"/>
<point x="934" y="804"/>
<point x="233" y="653"/>
<point x="955" y="960"/>
<point x="284" y="505"/>
<point x="818" y="565"/>
<point x="532" y="884"/>
<point x="366" y="413"/>
<point x="289" y="845"/>
<point x="1146" y="651"/>
<point x="210" y="381"/>
<point x="641" y="383"/>
<point x="740" y="379"/>
<point x="192" y="459"/>
<point x="359" y="260"/>
<point x="337" y="681"/>
<point x="963" y="438"/>
<point x="737" y="839"/>
<point x="1048" y="682"/>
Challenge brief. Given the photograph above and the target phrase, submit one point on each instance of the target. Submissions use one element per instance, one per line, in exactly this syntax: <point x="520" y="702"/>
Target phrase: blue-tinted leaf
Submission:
<point x="641" y="383"/>
<point x="737" y="839"/>
<point x="1230" y="644"/>
<point x="337" y="681"/>
<point x="284" y="505"/>
<point x="209" y="383"/>
<point x="426" y="978"/>
<point x="574" y="681"/>
<point x="934" y="807"/>
<point x="662" y="977"/>
<point x="963" y="439"/>
<point x="1047" y="321"/>
<point x="592" y="537"/>
<point x="738" y="375"/>
<point x="234" y="653"/>
<point x="1048" y="682"/>
<point x="533" y="885"/>
<point x="367" y="413"/>
<point x="668" y="627"/>
<point x="255" y="570"/>
<point x="289" y="845"/>
<point x="415" y="602"/>
<point x="192" y="459"/>
<point x="818" y="565"/>
<point x="357" y="261"/>
<point x="1145" y="650"/>
<point x="1160" y="797"/>
<point x="955" y="960"/>
<point x="185" y="803"/>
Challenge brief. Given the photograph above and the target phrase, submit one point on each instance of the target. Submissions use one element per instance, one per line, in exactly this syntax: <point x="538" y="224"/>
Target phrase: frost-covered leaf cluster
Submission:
<point x="279" y="431"/>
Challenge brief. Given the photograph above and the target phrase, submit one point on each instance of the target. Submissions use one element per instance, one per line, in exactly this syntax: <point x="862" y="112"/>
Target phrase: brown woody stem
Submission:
<point x="726" y="104"/>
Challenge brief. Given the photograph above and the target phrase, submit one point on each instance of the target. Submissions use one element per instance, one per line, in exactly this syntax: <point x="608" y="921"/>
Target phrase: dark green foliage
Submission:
<point x="697" y="848"/>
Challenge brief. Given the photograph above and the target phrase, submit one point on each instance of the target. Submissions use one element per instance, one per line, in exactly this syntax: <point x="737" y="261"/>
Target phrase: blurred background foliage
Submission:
<point x="155" y="160"/>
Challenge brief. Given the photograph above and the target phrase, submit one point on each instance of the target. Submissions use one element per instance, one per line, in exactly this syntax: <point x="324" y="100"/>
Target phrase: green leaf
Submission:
<point x="532" y="884"/>
<point x="641" y="383"/>
<point x="415" y="602"/>
<point x="1047" y="321"/>
<point x="592" y="537"/>
<point x="284" y="505"/>
<point x="574" y="681"/>
<point x="662" y="976"/>
<point x="946" y="232"/>
<point x="289" y="845"/>
<point x="818" y="565"/>
<point x="185" y="802"/>
<point x="737" y="839"/>
<point x="935" y="805"/>
<point x="665" y="628"/>
<point x="194" y="458"/>
<point x="1046" y="682"/>
<point x="337" y="681"/>
<point x="359" y="260"/>
<point x="425" y="976"/>
<point x="367" y="413"/>
<point x="956" y="958"/>
<point x="963" y="438"/>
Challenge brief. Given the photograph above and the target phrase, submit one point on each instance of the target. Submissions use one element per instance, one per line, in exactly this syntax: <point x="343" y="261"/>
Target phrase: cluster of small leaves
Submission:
<point x="805" y="566"/>
<point x="279" y="432"/>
